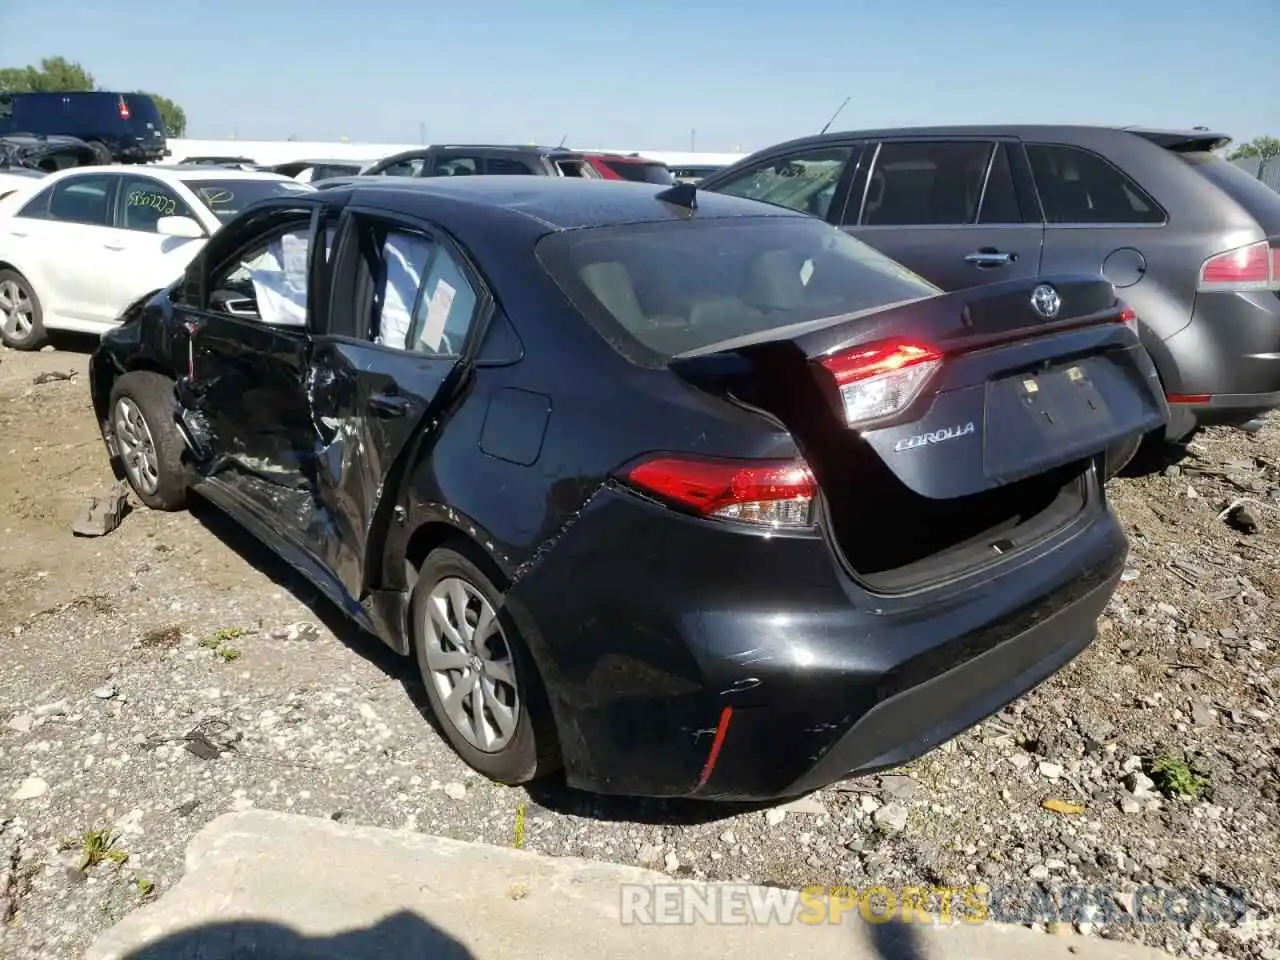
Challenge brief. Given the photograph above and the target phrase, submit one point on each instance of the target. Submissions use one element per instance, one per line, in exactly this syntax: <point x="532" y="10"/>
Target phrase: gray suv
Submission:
<point x="1189" y="240"/>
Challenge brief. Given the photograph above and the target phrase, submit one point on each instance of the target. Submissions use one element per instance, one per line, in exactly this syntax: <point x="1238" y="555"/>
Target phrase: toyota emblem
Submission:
<point x="1046" y="301"/>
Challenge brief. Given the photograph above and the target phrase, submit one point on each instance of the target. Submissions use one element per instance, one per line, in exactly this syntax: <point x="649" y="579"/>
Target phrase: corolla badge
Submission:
<point x="1046" y="301"/>
<point x="935" y="436"/>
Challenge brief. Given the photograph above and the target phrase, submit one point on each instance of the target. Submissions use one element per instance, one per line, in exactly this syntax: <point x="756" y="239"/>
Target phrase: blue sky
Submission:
<point x="659" y="74"/>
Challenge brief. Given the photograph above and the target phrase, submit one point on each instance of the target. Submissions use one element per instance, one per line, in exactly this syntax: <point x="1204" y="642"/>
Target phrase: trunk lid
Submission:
<point x="1004" y="391"/>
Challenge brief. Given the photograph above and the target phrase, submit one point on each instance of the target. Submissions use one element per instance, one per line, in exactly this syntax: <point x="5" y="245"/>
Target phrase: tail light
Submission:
<point x="1252" y="267"/>
<point x="772" y="493"/>
<point x="124" y="109"/>
<point x="881" y="379"/>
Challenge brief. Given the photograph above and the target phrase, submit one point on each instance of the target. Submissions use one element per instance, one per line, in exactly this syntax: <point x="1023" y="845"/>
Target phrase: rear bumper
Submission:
<point x="718" y="664"/>
<point x="1227" y="360"/>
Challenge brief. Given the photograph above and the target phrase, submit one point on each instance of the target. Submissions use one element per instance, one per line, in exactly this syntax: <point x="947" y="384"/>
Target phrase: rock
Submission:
<point x="1241" y="518"/>
<point x="102" y="513"/>
<point x="1130" y="806"/>
<point x="31" y="788"/>
<point x="1094" y="728"/>
<point x="672" y="863"/>
<point x="1139" y="784"/>
<point x="774" y="816"/>
<point x="455" y="791"/>
<point x="650" y="855"/>
<point x="56" y="709"/>
<point x="868" y="803"/>
<point x="1059" y="929"/>
<point x="1201" y="714"/>
<point x="106" y="691"/>
<point x="810" y="804"/>
<point x="1039" y="873"/>
<point x="891" y="818"/>
<point x="729" y="837"/>
<point x="22" y="723"/>
<point x="1050" y="771"/>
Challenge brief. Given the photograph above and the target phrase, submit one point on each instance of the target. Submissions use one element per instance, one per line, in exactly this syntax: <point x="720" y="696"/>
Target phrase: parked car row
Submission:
<point x="725" y="490"/>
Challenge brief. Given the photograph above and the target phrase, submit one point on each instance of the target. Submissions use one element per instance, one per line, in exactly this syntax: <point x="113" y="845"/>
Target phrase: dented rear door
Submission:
<point x="404" y="313"/>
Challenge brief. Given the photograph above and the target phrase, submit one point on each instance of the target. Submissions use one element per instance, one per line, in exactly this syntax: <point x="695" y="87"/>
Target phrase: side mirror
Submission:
<point x="183" y="227"/>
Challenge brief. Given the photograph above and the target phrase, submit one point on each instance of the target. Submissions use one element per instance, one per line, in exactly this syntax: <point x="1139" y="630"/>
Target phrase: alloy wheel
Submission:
<point x="137" y="448"/>
<point x="17" y="312"/>
<point x="469" y="662"/>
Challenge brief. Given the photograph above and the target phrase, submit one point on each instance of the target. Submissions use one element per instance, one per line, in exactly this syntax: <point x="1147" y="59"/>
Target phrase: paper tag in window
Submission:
<point x="294" y="249"/>
<point x="438" y="308"/>
<point x="806" y="272"/>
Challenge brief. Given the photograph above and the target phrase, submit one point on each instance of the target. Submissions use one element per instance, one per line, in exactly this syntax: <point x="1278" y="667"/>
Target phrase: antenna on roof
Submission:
<point x="682" y="195"/>
<point x="828" y="124"/>
<point x="562" y="140"/>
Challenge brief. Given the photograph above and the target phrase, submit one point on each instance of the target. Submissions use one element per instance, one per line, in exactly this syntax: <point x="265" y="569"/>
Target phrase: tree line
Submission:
<point x="58" y="74"/>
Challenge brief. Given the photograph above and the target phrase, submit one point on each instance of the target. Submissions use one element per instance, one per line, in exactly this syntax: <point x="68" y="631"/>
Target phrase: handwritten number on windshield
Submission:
<point x="162" y="203"/>
<point x="217" y="198"/>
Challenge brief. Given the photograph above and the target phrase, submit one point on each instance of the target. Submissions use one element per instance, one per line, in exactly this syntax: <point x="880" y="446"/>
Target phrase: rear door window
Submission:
<point x="455" y="165"/>
<point x="658" y="289"/>
<point x="82" y="200"/>
<point x="928" y="183"/>
<point x="805" y="181"/>
<point x="508" y="165"/>
<point x="1078" y="186"/>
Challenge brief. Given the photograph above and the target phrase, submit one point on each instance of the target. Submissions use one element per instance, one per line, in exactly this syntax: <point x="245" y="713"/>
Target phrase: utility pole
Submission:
<point x="693" y="141"/>
<point x="422" y="133"/>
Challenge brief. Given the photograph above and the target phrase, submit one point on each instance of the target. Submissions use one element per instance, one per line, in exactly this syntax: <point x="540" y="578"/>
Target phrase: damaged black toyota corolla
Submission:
<point x="688" y="494"/>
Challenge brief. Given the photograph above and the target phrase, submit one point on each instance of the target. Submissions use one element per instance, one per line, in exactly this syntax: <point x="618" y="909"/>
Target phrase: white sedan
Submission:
<point x="80" y="245"/>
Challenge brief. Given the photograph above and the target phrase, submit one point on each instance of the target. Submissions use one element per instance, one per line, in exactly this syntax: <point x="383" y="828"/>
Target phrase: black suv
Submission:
<point x="1190" y="241"/>
<point x="119" y="127"/>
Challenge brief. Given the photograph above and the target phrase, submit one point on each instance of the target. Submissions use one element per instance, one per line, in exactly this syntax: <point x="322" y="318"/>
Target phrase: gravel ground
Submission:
<point x="173" y="671"/>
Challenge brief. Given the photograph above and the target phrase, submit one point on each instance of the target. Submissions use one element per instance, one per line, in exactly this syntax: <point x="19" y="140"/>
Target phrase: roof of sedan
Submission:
<point x="559" y="203"/>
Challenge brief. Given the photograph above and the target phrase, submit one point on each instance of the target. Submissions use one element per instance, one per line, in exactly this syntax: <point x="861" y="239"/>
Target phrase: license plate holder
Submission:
<point x="1034" y="415"/>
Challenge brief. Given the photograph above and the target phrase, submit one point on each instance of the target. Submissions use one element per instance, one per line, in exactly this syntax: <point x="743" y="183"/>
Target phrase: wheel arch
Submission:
<point x="433" y="534"/>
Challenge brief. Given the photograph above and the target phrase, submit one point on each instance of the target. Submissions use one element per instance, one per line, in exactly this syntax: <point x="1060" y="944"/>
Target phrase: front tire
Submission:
<point x="21" y="316"/>
<point x="483" y="687"/>
<point x="146" y="438"/>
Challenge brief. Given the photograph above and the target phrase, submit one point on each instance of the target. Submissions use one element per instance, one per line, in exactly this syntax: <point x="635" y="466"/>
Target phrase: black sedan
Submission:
<point x="690" y="495"/>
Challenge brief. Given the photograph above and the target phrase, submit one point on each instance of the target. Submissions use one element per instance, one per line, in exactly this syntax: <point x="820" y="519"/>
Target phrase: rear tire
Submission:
<point x="467" y="647"/>
<point x="140" y="418"/>
<point x="101" y="152"/>
<point x="21" y="316"/>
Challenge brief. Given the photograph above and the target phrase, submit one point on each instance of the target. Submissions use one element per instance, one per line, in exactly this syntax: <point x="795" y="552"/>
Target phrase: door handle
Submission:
<point x="113" y="246"/>
<point x="17" y="233"/>
<point x="388" y="405"/>
<point x="987" y="257"/>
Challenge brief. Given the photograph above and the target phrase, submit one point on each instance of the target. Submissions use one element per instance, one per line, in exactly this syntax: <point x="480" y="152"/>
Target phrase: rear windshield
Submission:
<point x="658" y="289"/>
<point x="639" y="172"/>
<point x="1258" y="199"/>
<point x="323" y="171"/>
<point x="227" y="198"/>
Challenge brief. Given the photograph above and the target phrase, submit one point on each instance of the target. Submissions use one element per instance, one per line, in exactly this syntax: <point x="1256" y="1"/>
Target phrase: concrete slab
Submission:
<point x="277" y="886"/>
